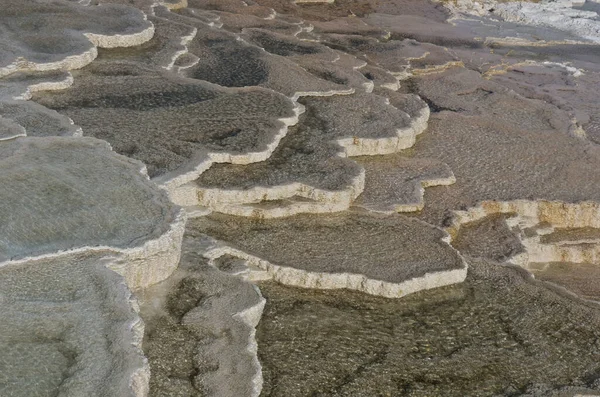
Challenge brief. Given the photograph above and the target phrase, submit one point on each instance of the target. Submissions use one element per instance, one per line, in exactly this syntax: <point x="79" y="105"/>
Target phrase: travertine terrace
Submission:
<point x="335" y="244"/>
<point x="393" y="175"/>
<point x="70" y="326"/>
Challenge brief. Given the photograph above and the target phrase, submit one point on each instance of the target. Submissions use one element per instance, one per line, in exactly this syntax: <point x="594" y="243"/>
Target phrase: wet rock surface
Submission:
<point x="69" y="326"/>
<point x="292" y="132"/>
<point x="312" y="160"/>
<point x="200" y="330"/>
<point x="77" y="193"/>
<point x="391" y="256"/>
<point x="490" y="238"/>
<point x="195" y="118"/>
<point x="54" y="35"/>
<point x="397" y="183"/>
<point x="486" y="336"/>
<point x="578" y="278"/>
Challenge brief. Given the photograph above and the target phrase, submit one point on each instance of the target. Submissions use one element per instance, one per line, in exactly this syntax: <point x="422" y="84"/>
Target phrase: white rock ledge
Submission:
<point x="83" y="58"/>
<point x="121" y="40"/>
<point x="238" y="202"/>
<point x="243" y="202"/>
<point x="49" y="221"/>
<point x="543" y="217"/>
<point x="173" y="182"/>
<point x="213" y="249"/>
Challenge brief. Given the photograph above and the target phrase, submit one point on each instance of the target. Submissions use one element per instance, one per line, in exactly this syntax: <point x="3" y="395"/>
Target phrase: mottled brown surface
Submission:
<point x="388" y="248"/>
<point x="571" y="235"/>
<point x="488" y="238"/>
<point x="500" y="146"/>
<point x="494" y="335"/>
<point x="581" y="278"/>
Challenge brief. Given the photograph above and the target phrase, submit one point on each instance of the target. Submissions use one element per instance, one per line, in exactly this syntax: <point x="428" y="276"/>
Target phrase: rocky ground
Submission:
<point x="278" y="197"/>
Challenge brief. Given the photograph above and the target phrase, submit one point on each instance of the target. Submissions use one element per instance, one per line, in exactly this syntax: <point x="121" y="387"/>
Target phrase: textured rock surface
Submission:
<point x="320" y="170"/>
<point x="37" y="120"/>
<point x="72" y="211"/>
<point x="397" y="184"/>
<point x="200" y="330"/>
<point x="489" y="238"/>
<point x="527" y="141"/>
<point x="483" y="337"/>
<point x="229" y="62"/>
<point x="65" y="193"/>
<point x="201" y="122"/>
<point x="21" y="85"/>
<point x="557" y="242"/>
<point x="578" y="278"/>
<point x="61" y="35"/>
<point x="268" y="109"/>
<point x="565" y="86"/>
<point x="390" y="256"/>
<point x="69" y="327"/>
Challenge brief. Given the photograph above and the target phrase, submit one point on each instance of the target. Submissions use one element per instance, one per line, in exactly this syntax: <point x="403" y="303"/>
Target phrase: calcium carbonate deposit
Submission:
<point x="229" y="198"/>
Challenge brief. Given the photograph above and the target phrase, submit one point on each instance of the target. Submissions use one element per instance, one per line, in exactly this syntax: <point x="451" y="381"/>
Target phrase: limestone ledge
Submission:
<point x="141" y="266"/>
<point x="155" y="260"/>
<point x="251" y="317"/>
<point x="45" y="86"/>
<point x="121" y="40"/>
<point x="237" y="202"/>
<point x="185" y="194"/>
<point x="532" y="214"/>
<point x="77" y="61"/>
<point x="405" y="139"/>
<point x="306" y="279"/>
<point x="172" y="182"/>
<point x="299" y="94"/>
<point x="174" y="5"/>
<point x="583" y="252"/>
<point x="68" y="63"/>
<point x="138" y="382"/>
